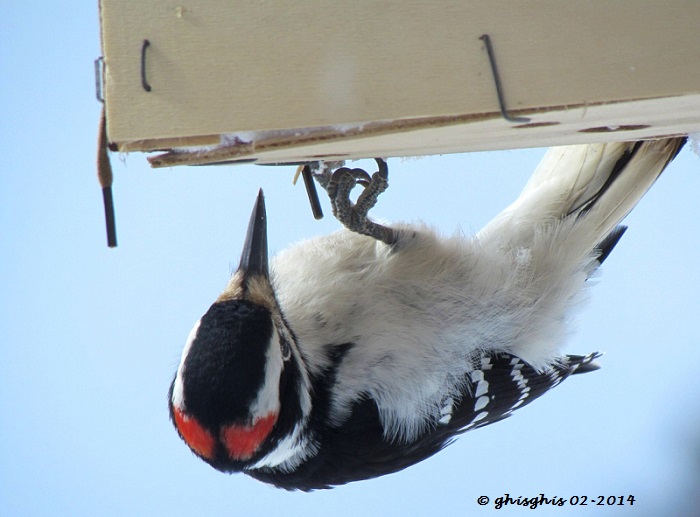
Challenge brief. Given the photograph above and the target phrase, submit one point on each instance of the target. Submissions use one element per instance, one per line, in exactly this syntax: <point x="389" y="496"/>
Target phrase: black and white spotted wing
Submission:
<point x="359" y="448"/>
<point x="505" y="383"/>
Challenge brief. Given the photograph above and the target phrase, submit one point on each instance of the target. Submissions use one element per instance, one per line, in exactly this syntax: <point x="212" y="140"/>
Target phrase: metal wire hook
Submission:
<point x="99" y="79"/>
<point x="144" y="82"/>
<point x="311" y="192"/>
<point x="497" y="80"/>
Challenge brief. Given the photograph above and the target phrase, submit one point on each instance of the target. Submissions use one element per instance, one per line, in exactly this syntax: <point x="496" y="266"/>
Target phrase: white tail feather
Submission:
<point x="576" y="198"/>
<point x="605" y="180"/>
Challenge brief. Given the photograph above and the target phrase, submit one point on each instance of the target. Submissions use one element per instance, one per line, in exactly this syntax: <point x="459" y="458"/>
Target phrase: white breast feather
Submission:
<point x="420" y="317"/>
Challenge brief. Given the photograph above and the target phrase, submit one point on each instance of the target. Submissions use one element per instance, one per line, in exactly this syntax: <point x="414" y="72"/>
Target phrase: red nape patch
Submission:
<point x="242" y="441"/>
<point x="199" y="439"/>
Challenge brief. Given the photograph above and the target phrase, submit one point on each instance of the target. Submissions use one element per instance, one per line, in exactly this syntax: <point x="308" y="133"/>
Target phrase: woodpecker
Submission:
<point x="360" y="353"/>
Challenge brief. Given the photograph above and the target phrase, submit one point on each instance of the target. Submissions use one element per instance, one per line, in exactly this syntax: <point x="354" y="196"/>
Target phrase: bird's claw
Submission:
<point x="322" y="171"/>
<point x="340" y="183"/>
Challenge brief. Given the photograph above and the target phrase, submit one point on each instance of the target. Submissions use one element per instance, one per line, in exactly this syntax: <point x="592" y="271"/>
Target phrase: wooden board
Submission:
<point x="289" y="81"/>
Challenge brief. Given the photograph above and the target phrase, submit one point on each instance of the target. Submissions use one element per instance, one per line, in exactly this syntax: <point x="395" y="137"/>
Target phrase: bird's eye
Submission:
<point x="286" y="349"/>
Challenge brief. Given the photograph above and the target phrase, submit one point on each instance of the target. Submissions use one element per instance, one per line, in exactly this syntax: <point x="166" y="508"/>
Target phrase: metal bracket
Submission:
<point x="497" y="80"/>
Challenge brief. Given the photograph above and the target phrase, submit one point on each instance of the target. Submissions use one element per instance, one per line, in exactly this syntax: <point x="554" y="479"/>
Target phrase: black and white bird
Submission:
<point x="360" y="353"/>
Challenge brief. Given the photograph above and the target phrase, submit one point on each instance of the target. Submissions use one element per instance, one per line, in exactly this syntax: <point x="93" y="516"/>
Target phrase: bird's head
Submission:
<point x="240" y="387"/>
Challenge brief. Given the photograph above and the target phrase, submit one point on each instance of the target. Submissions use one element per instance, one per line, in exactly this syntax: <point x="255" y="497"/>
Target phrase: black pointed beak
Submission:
<point x="254" y="256"/>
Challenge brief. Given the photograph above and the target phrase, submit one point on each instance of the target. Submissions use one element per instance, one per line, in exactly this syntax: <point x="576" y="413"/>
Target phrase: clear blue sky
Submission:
<point x="90" y="337"/>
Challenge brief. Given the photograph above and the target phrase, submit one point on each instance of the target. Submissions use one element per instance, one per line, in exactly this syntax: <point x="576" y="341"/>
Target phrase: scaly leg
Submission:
<point x="340" y="183"/>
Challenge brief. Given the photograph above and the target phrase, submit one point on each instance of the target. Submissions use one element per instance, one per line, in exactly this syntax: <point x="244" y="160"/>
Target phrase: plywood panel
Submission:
<point x="299" y="68"/>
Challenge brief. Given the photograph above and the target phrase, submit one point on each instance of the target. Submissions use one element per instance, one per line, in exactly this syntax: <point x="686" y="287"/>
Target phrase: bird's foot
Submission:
<point x="322" y="171"/>
<point x="340" y="183"/>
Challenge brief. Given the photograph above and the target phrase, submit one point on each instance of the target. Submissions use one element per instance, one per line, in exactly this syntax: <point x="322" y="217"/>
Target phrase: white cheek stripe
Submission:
<point x="178" y="389"/>
<point x="289" y="453"/>
<point x="268" y="400"/>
